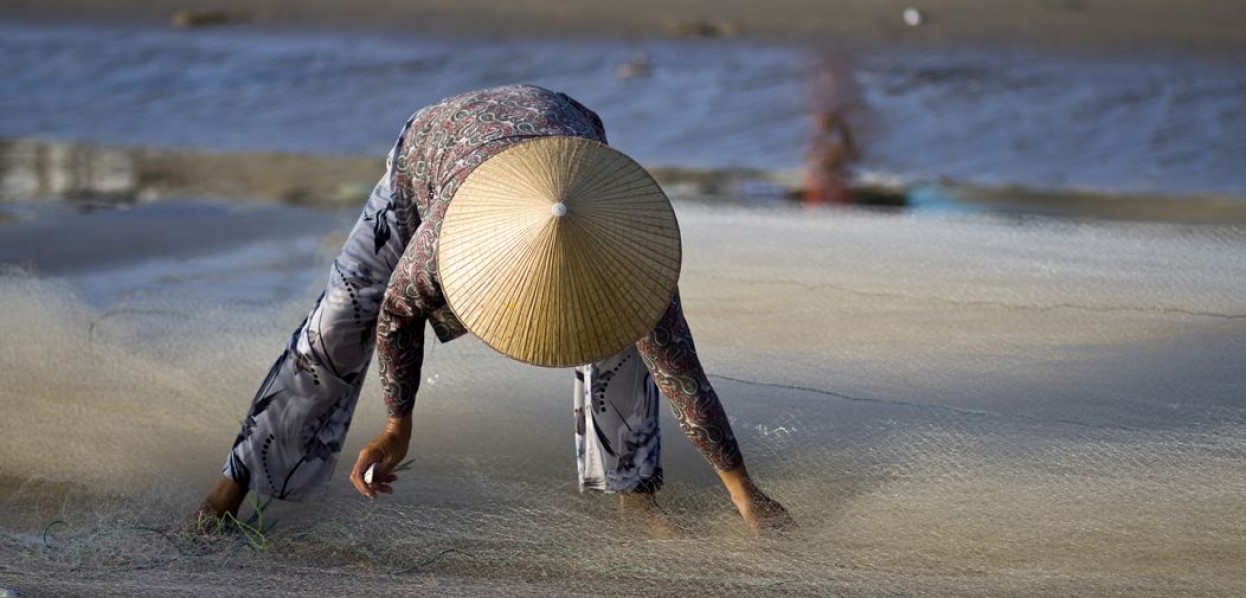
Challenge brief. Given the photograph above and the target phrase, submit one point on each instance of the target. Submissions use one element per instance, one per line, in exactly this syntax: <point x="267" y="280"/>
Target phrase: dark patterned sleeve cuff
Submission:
<point x="400" y="355"/>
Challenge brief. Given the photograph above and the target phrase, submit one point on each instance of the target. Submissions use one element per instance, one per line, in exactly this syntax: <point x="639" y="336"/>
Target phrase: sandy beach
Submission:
<point x="1120" y="24"/>
<point x="1027" y="382"/>
<point x="949" y="406"/>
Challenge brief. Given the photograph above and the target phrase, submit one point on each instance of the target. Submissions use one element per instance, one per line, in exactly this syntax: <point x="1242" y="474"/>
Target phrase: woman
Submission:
<point x="386" y="284"/>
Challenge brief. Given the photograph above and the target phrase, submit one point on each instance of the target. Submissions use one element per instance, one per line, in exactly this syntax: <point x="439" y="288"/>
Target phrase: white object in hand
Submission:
<point x="367" y="475"/>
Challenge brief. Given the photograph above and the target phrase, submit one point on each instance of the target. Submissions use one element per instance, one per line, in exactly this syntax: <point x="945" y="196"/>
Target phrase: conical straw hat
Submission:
<point x="559" y="251"/>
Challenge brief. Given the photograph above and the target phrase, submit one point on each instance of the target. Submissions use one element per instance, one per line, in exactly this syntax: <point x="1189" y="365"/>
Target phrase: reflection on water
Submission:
<point x="90" y="175"/>
<point x="30" y="169"/>
<point x="33" y="169"/>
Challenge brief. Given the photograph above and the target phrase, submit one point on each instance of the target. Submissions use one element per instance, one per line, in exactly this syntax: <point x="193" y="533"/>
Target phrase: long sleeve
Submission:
<point x="400" y="328"/>
<point x="400" y="355"/>
<point x="671" y="357"/>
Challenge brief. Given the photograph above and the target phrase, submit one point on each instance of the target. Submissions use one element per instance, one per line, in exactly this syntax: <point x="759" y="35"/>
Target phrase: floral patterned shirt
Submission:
<point x="440" y="146"/>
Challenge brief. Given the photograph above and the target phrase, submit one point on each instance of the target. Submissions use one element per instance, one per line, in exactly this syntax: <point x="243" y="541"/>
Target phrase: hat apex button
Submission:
<point x="558" y="210"/>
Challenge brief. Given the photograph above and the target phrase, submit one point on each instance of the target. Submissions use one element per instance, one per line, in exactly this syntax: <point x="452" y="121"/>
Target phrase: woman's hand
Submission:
<point x="759" y="511"/>
<point x="385" y="451"/>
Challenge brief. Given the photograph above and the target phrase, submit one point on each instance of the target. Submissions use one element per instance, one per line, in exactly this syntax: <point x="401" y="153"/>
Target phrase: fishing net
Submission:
<point x="961" y="406"/>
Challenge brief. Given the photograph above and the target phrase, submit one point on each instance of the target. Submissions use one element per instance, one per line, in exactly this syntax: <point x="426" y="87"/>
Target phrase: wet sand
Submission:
<point x="952" y="406"/>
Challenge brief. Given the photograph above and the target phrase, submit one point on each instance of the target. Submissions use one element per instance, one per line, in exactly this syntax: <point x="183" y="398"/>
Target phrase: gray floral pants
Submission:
<point x="618" y="446"/>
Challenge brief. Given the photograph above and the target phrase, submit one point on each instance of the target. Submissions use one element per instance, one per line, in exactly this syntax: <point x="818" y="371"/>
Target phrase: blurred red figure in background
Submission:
<point x="834" y="97"/>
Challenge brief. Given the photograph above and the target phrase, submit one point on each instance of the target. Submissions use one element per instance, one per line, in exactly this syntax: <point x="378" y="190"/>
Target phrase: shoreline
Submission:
<point x="1132" y="25"/>
<point x="92" y="175"/>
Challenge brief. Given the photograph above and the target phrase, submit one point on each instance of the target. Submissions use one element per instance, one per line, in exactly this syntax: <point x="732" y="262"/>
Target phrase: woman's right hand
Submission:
<point x="759" y="511"/>
<point x="385" y="451"/>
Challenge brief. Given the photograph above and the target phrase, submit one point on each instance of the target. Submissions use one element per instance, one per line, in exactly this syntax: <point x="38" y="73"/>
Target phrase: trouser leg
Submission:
<point x="618" y="444"/>
<point x="293" y="433"/>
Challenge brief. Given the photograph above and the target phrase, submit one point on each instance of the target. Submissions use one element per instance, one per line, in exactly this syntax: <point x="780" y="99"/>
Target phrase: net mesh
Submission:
<point x="946" y="406"/>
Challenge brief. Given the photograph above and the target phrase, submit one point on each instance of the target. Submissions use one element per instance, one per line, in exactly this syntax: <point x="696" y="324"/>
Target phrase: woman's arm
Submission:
<point x="671" y="357"/>
<point x="400" y="356"/>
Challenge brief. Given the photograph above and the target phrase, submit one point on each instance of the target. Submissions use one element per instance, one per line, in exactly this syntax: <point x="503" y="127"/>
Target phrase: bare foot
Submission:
<point x="224" y="498"/>
<point x="221" y="503"/>
<point x="204" y="522"/>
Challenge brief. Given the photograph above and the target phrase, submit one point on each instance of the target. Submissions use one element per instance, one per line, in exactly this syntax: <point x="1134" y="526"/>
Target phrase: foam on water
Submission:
<point x="946" y="406"/>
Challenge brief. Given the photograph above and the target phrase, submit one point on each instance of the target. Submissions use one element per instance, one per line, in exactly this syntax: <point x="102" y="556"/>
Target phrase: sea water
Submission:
<point x="1145" y="122"/>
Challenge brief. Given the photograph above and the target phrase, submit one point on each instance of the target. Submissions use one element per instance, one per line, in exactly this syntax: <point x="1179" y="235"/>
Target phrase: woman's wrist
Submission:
<point x="399" y="425"/>
<point x="736" y="480"/>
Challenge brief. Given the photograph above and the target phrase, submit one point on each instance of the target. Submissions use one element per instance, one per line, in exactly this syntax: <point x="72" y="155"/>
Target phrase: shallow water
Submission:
<point x="950" y="406"/>
<point x="1173" y="124"/>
